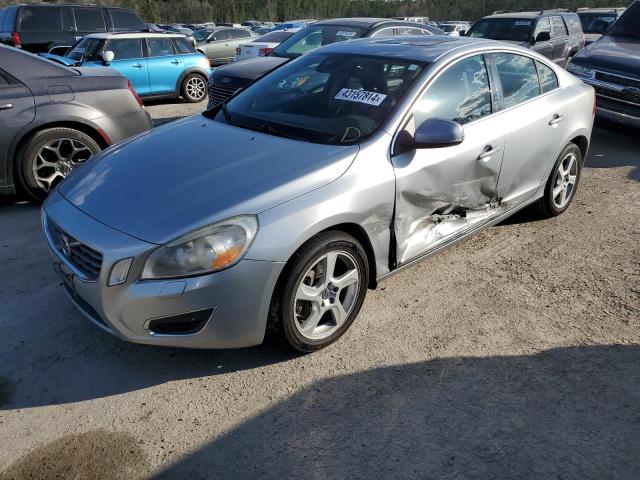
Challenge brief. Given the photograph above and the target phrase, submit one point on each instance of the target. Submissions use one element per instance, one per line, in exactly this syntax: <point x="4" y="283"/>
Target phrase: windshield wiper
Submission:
<point x="271" y="130"/>
<point x="225" y="111"/>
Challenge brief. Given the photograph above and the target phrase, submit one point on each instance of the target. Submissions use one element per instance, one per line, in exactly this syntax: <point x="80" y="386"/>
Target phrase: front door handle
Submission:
<point x="137" y="65"/>
<point x="176" y="62"/>
<point x="488" y="152"/>
<point x="6" y="106"/>
<point x="557" y="119"/>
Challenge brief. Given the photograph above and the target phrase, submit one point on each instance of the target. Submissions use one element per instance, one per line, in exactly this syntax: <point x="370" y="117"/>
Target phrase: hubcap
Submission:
<point x="57" y="159"/>
<point x="196" y="88"/>
<point x="564" y="185"/>
<point x="326" y="295"/>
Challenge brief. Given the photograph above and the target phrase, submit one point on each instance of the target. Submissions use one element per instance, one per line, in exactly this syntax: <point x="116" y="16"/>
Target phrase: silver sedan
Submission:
<point x="275" y="213"/>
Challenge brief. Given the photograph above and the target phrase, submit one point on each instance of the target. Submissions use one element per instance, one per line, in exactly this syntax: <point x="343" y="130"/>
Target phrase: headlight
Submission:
<point x="206" y="250"/>
<point x="579" y="70"/>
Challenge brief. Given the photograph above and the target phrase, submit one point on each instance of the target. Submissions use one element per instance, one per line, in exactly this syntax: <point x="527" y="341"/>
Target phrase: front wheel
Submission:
<point x="194" y="88"/>
<point x="321" y="292"/>
<point x="562" y="183"/>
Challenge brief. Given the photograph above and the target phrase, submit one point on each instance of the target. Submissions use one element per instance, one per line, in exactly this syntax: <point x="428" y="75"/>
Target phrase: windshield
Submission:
<point x="85" y="49"/>
<point x="201" y="35"/>
<point x="447" y="28"/>
<point x="337" y="99"/>
<point x="628" y="25"/>
<point x="315" y="36"/>
<point x="513" y="29"/>
<point x="596" y="22"/>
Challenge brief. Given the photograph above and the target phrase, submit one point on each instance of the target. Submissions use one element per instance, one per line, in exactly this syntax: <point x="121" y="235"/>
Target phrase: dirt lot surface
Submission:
<point x="515" y="354"/>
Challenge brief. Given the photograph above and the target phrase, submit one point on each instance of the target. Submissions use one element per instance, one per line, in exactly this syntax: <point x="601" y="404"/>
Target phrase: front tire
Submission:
<point x="194" y="88"/>
<point x="562" y="183"/>
<point x="48" y="156"/>
<point x="321" y="292"/>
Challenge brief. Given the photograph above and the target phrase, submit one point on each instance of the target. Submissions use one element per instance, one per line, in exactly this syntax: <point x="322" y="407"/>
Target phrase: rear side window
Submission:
<point x="548" y="79"/>
<point x="3" y="14"/>
<point x="41" y="19"/>
<point x="160" y="47"/>
<point x="125" y="49"/>
<point x="518" y="76"/>
<point x="89" y="19"/>
<point x="184" y="46"/>
<point x="461" y="94"/>
<point x="240" y="33"/>
<point x="411" y="31"/>
<point x="125" y="20"/>
<point x="558" y="28"/>
<point x="7" y="24"/>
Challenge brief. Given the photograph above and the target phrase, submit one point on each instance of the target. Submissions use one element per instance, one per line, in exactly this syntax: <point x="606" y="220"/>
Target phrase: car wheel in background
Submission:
<point x="562" y="184"/>
<point x="320" y="292"/>
<point x="194" y="88"/>
<point x="48" y="156"/>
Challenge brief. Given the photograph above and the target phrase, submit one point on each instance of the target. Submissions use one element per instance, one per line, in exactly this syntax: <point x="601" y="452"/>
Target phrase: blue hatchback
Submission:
<point x="158" y="65"/>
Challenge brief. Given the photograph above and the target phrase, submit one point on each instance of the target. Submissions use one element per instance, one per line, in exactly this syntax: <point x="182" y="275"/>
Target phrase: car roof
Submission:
<point x="600" y="10"/>
<point x="527" y="14"/>
<point x="410" y="47"/>
<point x="126" y="35"/>
<point x="364" y="22"/>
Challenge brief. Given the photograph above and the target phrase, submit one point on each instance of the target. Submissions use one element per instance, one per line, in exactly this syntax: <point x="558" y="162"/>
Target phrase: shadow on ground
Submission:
<point x="615" y="146"/>
<point x="564" y="413"/>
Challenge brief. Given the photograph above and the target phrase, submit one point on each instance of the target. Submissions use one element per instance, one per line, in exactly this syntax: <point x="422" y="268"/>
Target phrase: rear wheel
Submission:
<point x="194" y="88"/>
<point x="48" y="156"/>
<point x="562" y="183"/>
<point x="321" y="292"/>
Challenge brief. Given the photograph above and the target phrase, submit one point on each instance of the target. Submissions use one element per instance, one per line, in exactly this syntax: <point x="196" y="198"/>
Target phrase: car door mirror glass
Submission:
<point x="543" y="37"/>
<point x="108" y="56"/>
<point x="438" y="133"/>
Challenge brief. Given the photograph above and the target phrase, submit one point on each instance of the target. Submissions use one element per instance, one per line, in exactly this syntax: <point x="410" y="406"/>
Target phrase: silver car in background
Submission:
<point x="278" y="211"/>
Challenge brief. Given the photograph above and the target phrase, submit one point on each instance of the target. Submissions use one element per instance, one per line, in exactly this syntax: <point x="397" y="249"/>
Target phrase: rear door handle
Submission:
<point x="137" y="65"/>
<point x="557" y="119"/>
<point x="488" y="152"/>
<point x="6" y="106"/>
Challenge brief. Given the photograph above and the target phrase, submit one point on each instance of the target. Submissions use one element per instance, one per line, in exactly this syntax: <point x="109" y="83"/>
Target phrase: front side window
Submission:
<point x="125" y="49"/>
<point x="125" y="20"/>
<point x="313" y="37"/>
<point x="41" y="19"/>
<point x="160" y="47"/>
<point x="512" y="29"/>
<point x="338" y="99"/>
<point x="518" y="76"/>
<point x="544" y="25"/>
<point x="85" y="49"/>
<point x="548" y="79"/>
<point x="89" y="19"/>
<point x="201" y="35"/>
<point x="460" y="94"/>
<point x="220" y="35"/>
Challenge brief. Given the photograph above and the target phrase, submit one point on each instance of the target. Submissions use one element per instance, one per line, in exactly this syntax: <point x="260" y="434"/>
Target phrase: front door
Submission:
<point x="443" y="192"/>
<point x="164" y="64"/>
<point x="129" y="61"/>
<point x="544" y="48"/>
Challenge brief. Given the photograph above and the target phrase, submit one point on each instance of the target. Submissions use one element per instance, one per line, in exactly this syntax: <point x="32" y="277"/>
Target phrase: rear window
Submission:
<point x="125" y="20"/>
<point x="41" y="19"/>
<point x="514" y="29"/>
<point x="89" y="19"/>
<point x="274" y="37"/>
<point x="184" y="46"/>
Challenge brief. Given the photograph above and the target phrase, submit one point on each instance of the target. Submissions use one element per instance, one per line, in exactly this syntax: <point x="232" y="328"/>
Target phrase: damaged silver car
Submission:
<point x="277" y="211"/>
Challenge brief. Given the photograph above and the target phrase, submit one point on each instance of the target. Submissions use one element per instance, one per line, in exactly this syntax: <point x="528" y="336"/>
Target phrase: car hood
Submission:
<point x="60" y="59"/>
<point x="614" y="54"/>
<point x="194" y="172"/>
<point x="251" y="68"/>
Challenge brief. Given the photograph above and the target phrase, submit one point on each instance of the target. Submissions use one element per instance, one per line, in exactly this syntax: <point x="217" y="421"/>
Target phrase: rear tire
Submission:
<point x="320" y="292"/>
<point x="562" y="183"/>
<point x="48" y="156"/>
<point x="194" y="88"/>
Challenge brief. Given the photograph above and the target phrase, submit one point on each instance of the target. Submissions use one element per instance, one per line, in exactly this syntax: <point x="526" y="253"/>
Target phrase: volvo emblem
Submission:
<point x="65" y="245"/>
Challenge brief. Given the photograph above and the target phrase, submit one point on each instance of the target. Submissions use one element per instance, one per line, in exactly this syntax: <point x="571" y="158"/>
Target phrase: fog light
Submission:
<point x="119" y="272"/>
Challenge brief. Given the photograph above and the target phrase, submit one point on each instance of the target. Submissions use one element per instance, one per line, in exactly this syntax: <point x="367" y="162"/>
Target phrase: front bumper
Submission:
<point x="614" y="104"/>
<point x="239" y="297"/>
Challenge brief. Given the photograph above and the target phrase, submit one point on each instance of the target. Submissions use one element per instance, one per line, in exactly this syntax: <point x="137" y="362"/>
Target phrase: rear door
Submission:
<point x="546" y="47"/>
<point x="164" y="64"/>
<point x="442" y="193"/>
<point x="217" y="48"/>
<point x="533" y="113"/>
<point x="129" y="60"/>
<point x="560" y="39"/>
<point x="16" y="111"/>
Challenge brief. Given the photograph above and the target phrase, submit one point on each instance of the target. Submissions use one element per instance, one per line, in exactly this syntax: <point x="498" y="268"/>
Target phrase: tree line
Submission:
<point x="182" y="11"/>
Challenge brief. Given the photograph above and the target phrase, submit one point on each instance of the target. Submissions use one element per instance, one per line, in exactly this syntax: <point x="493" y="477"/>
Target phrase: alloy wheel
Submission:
<point x="56" y="159"/>
<point x="196" y="88"/>
<point x="564" y="184"/>
<point x="326" y="295"/>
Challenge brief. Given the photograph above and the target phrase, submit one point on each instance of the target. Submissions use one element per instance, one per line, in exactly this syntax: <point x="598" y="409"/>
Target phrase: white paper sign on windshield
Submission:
<point x="361" y="96"/>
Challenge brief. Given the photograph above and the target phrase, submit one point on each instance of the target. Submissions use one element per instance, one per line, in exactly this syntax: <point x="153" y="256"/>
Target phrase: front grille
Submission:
<point x="85" y="259"/>
<point x="218" y="94"/>
<point x="617" y="80"/>
<point x="622" y="96"/>
<point x="619" y="107"/>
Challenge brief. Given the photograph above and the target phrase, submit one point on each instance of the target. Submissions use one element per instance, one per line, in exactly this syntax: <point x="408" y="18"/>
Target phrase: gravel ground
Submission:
<point x="515" y="354"/>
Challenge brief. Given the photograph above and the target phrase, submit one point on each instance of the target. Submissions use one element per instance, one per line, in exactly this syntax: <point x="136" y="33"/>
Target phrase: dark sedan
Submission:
<point x="53" y="118"/>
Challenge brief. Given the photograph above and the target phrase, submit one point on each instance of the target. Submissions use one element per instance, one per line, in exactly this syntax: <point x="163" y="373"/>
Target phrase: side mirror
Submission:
<point x="543" y="37"/>
<point x="438" y="133"/>
<point x="463" y="33"/>
<point x="107" y="57"/>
